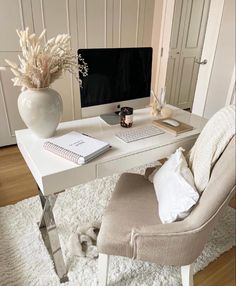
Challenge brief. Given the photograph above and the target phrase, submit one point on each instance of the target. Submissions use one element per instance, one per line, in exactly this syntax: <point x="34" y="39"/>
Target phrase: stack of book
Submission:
<point x="175" y="130"/>
<point x="76" y="147"/>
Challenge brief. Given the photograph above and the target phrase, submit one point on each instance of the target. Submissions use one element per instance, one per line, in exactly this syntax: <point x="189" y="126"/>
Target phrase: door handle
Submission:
<point x="204" y="62"/>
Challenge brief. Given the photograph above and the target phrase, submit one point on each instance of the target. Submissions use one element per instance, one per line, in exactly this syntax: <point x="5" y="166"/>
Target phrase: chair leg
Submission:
<point x="103" y="266"/>
<point x="187" y="275"/>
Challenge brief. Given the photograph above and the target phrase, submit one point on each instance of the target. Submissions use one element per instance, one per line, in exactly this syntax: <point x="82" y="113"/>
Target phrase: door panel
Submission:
<point x="60" y="22"/>
<point x="128" y="24"/>
<point x="96" y="20"/>
<point x="179" y="10"/>
<point x="171" y="77"/>
<point x="10" y="97"/>
<point x="12" y="10"/>
<point x="192" y="16"/>
<point x="182" y="99"/>
<point x="195" y="22"/>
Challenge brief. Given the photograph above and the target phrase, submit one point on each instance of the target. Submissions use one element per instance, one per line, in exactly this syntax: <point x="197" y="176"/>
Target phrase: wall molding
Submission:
<point x="137" y="23"/>
<point x="21" y="14"/>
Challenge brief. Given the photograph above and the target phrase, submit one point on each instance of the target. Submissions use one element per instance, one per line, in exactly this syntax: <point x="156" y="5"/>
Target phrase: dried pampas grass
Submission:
<point x="42" y="63"/>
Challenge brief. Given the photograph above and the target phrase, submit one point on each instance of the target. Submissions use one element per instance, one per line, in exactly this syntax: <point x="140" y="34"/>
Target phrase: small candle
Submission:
<point x="126" y="117"/>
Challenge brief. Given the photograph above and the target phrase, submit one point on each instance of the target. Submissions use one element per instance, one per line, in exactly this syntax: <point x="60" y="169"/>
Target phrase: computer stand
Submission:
<point x="111" y="118"/>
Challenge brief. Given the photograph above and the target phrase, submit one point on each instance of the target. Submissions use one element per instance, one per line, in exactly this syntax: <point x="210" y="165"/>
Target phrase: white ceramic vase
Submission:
<point x="41" y="110"/>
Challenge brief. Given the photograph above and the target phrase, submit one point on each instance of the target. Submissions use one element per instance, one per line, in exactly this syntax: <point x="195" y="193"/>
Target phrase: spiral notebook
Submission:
<point x="76" y="147"/>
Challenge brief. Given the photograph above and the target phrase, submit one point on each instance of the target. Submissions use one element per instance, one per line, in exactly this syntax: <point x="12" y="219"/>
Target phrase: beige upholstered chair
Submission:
<point x="131" y="226"/>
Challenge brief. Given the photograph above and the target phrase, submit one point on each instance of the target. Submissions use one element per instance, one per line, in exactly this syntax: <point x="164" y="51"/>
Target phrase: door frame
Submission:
<point x="208" y="52"/>
<point x="230" y="99"/>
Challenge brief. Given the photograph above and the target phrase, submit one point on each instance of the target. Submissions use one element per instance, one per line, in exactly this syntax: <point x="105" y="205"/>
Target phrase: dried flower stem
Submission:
<point x="42" y="63"/>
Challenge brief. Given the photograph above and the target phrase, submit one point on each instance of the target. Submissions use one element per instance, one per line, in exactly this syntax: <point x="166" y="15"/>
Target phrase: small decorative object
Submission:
<point x="158" y="102"/>
<point x="40" y="65"/>
<point x="83" y="242"/>
<point x="126" y="117"/>
<point x="41" y="110"/>
<point x="166" y="112"/>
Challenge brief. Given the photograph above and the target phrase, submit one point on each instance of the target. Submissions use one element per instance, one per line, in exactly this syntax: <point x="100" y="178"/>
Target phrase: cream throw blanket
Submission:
<point x="210" y="144"/>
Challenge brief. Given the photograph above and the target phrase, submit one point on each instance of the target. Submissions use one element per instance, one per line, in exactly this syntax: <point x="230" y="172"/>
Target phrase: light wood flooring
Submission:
<point x="17" y="183"/>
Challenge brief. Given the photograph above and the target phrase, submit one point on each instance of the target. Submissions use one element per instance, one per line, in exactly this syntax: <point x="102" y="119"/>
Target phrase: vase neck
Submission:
<point x="39" y="89"/>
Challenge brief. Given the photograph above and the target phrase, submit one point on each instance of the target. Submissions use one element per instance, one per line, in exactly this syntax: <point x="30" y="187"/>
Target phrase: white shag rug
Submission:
<point x="24" y="259"/>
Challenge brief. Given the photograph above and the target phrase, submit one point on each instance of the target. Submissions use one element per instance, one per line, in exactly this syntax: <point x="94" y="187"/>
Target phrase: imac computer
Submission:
<point x="116" y="77"/>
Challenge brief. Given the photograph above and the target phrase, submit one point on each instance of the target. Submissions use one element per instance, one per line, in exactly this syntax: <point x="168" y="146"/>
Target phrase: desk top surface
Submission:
<point x="45" y="163"/>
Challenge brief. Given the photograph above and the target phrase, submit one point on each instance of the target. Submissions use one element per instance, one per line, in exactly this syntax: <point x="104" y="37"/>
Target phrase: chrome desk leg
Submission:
<point x="50" y="236"/>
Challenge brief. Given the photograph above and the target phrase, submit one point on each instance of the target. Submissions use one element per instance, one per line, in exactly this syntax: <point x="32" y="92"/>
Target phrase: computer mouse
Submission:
<point x="171" y="122"/>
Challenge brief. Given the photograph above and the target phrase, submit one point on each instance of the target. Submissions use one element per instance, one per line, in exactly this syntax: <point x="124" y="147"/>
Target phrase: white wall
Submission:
<point x="91" y="23"/>
<point x="223" y="62"/>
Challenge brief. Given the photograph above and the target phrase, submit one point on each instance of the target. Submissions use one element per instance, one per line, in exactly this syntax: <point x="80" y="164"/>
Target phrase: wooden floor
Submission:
<point x="17" y="183"/>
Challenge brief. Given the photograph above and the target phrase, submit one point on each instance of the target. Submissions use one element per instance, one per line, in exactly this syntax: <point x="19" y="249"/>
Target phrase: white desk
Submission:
<point x="54" y="174"/>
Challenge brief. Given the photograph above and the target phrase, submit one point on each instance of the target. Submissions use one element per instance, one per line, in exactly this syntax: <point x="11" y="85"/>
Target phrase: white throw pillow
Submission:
<point x="174" y="187"/>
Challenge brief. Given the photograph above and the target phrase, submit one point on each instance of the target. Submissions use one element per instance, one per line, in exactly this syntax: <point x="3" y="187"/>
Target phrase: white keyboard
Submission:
<point x="138" y="133"/>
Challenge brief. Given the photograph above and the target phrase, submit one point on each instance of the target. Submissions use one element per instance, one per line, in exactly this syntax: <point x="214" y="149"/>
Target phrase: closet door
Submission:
<point x="14" y="15"/>
<point x="177" y="34"/>
<point x="187" y="38"/>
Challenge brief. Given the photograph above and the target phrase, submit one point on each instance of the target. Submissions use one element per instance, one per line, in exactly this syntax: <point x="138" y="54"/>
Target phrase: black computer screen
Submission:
<point x="115" y="74"/>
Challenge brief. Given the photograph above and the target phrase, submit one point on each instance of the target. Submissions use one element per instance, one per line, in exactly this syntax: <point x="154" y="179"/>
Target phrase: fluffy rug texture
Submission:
<point x="24" y="259"/>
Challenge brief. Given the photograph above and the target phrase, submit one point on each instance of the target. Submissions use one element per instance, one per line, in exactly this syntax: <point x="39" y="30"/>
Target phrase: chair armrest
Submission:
<point x="175" y="228"/>
<point x="178" y="243"/>
<point x="170" y="244"/>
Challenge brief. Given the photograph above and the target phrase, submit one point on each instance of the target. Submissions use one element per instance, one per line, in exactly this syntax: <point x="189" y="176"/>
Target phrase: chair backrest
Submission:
<point x="219" y="190"/>
<point x="210" y="145"/>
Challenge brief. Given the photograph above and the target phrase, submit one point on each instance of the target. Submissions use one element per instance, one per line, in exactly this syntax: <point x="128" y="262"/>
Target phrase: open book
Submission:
<point x="76" y="147"/>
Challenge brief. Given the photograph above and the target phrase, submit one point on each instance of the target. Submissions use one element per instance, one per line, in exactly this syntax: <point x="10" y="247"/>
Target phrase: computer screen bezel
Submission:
<point x="99" y="109"/>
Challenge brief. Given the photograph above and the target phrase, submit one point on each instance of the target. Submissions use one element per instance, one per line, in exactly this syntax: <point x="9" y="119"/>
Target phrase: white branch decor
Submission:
<point x="158" y="102"/>
<point x="42" y="63"/>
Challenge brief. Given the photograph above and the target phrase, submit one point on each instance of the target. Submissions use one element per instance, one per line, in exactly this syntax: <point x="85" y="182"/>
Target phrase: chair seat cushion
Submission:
<point x="133" y="204"/>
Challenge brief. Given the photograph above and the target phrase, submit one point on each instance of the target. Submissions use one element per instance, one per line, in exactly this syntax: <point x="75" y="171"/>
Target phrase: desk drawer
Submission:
<point x="123" y="164"/>
<point x="67" y="179"/>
